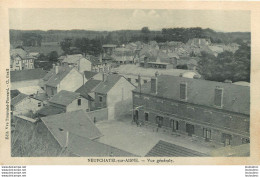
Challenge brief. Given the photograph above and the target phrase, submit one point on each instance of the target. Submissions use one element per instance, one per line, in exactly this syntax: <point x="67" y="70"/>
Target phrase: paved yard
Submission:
<point x="139" y="140"/>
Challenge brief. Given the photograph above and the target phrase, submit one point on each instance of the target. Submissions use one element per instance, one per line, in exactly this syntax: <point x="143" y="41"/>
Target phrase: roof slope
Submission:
<point x="54" y="79"/>
<point x="30" y="74"/>
<point x="165" y="149"/>
<point x="88" y="148"/>
<point x="64" y="97"/>
<point x="106" y="85"/>
<point x="50" y="110"/>
<point x="85" y="89"/>
<point x="72" y="58"/>
<point x="236" y="98"/>
<point x="18" y="98"/>
<point x="89" y="74"/>
<point x="20" y="52"/>
<point x="75" y="122"/>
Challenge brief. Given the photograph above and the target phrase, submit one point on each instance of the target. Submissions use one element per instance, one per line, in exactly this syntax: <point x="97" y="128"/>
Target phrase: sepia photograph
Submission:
<point x="104" y="82"/>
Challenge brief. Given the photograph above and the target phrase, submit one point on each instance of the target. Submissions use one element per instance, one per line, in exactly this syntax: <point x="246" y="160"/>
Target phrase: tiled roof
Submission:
<point x="20" y="52"/>
<point x="148" y="72"/>
<point x="89" y="74"/>
<point x="72" y="58"/>
<point x="85" y="147"/>
<point x="105" y="86"/>
<point x="87" y="88"/>
<point x="75" y="122"/>
<point x="54" y="79"/>
<point x="14" y="93"/>
<point x="50" y="110"/>
<point x="64" y="97"/>
<point x="236" y="98"/>
<point x="30" y="74"/>
<point x="165" y="149"/>
<point x="18" y="98"/>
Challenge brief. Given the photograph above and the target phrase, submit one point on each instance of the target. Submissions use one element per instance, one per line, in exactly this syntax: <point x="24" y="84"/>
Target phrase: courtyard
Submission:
<point x="125" y="135"/>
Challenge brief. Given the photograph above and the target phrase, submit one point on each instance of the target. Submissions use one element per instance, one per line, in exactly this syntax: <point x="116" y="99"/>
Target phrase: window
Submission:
<point x="129" y="79"/>
<point x="136" y="80"/>
<point x="175" y="125"/>
<point x="218" y="97"/>
<point x="146" y="116"/>
<point x="145" y="81"/>
<point x="183" y="91"/>
<point x="100" y="98"/>
<point x="206" y="133"/>
<point x="79" y="102"/>
<point x="39" y="104"/>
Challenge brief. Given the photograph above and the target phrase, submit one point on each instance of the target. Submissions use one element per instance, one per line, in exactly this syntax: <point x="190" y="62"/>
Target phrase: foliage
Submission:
<point x="145" y="30"/>
<point x="226" y="66"/>
<point x="53" y="56"/>
<point x="65" y="45"/>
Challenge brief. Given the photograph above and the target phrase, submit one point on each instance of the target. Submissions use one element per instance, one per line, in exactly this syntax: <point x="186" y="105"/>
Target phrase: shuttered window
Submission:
<point x="183" y="91"/>
<point x="218" y="97"/>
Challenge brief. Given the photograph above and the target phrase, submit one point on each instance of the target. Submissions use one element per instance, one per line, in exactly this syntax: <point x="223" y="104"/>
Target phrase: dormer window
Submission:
<point x="218" y="101"/>
<point x="183" y="91"/>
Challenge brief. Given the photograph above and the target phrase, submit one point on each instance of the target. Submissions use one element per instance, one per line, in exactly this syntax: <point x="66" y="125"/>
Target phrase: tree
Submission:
<point x="65" y="45"/>
<point x="53" y="56"/>
<point x="226" y="66"/>
<point x="145" y="30"/>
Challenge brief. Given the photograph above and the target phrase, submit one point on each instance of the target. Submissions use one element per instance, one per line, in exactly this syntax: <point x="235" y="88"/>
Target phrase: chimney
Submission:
<point x="56" y="69"/>
<point x="139" y="82"/>
<point x="104" y="77"/>
<point x="154" y="83"/>
<point x="53" y="66"/>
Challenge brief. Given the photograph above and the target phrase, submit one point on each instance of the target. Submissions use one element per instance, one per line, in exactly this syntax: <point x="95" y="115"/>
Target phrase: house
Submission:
<point x="108" y="50"/>
<point x="65" y="101"/>
<point x="213" y="111"/>
<point x="132" y="73"/>
<point x="76" y="133"/>
<point x="21" y="60"/>
<point x="97" y="65"/>
<point x="24" y="104"/>
<point x="77" y="61"/>
<point x="62" y="78"/>
<point x="123" y="56"/>
<point x="114" y="93"/>
<point x="26" y="78"/>
<point x="86" y="91"/>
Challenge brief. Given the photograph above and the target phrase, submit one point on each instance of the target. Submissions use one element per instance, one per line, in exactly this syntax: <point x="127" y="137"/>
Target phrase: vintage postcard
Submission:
<point x="130" y="82"/>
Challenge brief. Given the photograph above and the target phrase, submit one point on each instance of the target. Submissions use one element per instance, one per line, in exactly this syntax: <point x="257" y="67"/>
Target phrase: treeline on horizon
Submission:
<point x="36" y="37"/>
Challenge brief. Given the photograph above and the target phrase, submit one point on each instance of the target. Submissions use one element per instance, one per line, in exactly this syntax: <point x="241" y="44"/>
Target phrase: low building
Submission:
<point x="62" y="78"/>
<point x="65" y="101"/>
<point x="78" y="61"/>
<point x="24" y="104"/>
<point x="114" y="93"/>
<point x="123" y="56"/>
<point x="214" y="111"/>
<point x="132" y="73"/>
<point x="76" y="133"/>
<point x="26" y="78"/>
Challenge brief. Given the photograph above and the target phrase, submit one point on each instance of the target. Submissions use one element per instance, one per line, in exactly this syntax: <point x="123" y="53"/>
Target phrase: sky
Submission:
<point x="122" y="19"/>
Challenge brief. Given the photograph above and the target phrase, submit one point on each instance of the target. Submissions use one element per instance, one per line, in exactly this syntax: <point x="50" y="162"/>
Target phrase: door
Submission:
<point x="174" y="125"/>
<point x="146" y="116"/>
<point x="190" y="129"/>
